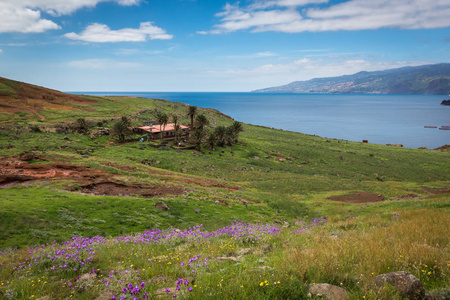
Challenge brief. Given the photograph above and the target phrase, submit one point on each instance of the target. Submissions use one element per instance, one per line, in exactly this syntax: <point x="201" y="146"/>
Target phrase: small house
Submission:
<point x="168" y="131"/>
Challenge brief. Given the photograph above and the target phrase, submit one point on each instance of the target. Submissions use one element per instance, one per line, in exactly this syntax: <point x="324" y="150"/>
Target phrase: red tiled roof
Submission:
<point x="168" y="127"/>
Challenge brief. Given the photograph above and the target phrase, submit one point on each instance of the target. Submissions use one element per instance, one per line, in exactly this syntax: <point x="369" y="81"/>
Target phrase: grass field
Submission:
<point x="268" y="226"/>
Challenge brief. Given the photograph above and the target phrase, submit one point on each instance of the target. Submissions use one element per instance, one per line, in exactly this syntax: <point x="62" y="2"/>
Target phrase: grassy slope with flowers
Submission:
<point x="244" y="250"/>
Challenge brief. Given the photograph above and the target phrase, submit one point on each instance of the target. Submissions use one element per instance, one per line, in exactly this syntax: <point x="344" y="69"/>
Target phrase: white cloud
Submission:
<point x="293" y="16"/>
<point x="265" y="54"/>
<point x="252" y="55"/>
<point x="286" y="3"/>
<point x="21" y="19"/>
<point x="1" y="51"/>
<point x="126" y="52"/>
<point x="25" y="15"/>
<point x="100" y="33"/>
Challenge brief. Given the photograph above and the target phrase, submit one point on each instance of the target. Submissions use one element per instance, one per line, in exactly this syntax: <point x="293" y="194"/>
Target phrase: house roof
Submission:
<point x="156" y="129"/>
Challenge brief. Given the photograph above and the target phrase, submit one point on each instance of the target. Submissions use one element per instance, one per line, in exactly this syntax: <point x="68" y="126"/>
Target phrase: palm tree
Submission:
<point x="197" y="138"/>
<point x="211" y="140"/>
<point x="177" y="129"/>
<point x="192" y="111"/>
<point x="201" y="121"/>
<point x="220" y="132"/>
<point x="236" y="128"/>
<point x="175" y="120"/>
<point x="162" y="119"/>
<point x="229" y="135"/>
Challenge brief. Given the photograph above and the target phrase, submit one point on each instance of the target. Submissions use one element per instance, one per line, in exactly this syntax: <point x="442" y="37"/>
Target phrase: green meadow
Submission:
<point x="274" y="178"/>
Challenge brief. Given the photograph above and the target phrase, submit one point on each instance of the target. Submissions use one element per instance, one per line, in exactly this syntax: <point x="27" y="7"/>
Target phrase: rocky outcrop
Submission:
<point x="445" y="102"/>
<point x="27" y="156"/>
<point x="327" y="291"/>
<point x="407" y="284"/>
<point x="161" y="205"/>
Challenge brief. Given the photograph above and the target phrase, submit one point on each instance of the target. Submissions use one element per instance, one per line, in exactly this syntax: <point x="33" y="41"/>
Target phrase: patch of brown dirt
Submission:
<point x="13" y="171"/>
<point x="438" y="191"/>
<point x="362" y="197"/>
<point x="118" y="189"/>
<point x="445" y="148"/>
<point x="97" y="182"/>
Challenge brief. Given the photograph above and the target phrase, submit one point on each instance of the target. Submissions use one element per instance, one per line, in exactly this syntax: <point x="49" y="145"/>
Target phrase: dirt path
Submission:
<point x="126" y="106"/>
<point x="14" y="108"/>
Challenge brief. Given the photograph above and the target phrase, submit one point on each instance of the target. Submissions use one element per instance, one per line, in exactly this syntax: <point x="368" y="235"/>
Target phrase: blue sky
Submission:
<point x="213" y="45"/>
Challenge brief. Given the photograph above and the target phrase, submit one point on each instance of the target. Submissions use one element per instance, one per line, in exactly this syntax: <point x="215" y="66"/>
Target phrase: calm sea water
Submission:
<point x="381" y="119"/>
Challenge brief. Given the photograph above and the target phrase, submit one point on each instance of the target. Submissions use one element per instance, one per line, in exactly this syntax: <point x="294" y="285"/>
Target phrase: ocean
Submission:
<point x="380" y="119"/>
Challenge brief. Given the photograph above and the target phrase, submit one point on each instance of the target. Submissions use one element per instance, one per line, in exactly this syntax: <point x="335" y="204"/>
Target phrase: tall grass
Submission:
<point x="414" y="241"/>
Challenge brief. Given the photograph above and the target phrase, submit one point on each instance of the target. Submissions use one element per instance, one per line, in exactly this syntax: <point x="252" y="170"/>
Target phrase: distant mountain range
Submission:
<point x="422" y="80"/>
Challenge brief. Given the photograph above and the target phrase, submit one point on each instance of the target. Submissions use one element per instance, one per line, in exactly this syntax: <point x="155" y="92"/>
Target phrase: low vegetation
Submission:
<point x="89" y="211"/>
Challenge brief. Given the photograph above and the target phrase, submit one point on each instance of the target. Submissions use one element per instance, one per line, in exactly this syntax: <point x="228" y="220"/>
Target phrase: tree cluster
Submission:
<point x="220" y="136"/>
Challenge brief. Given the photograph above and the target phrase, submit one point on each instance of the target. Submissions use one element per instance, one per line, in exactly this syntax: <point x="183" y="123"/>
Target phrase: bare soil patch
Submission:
<point x="362" y="197"/>
<point x="444" y="148"/>
<point x="438" y="191"/>
<point x="14" y="171"/>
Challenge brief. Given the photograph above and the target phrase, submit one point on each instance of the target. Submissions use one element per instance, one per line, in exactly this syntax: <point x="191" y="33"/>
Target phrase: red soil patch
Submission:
<point x="14" y="171"/>
<point x="438" y="191"/>
<point x="444" y="148"/>
<point x="362" y="197"/>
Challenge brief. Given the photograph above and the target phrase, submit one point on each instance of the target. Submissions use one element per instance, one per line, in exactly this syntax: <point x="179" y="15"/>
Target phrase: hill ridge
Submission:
<point x="427" y="79"/>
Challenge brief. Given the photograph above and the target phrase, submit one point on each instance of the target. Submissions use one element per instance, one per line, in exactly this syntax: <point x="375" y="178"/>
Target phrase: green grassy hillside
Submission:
<point x="397" y="218"/>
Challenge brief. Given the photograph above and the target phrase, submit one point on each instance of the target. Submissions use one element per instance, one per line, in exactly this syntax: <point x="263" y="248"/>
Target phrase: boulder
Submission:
<point x="327" y="291"/>
<point x="407" y="284"/>
<point x="244" y="251"/>
<point x="161" y="205"/>
<point x="225" y="258"/>
<point x="165" y="292"/>
<point x="27" y="156"/>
